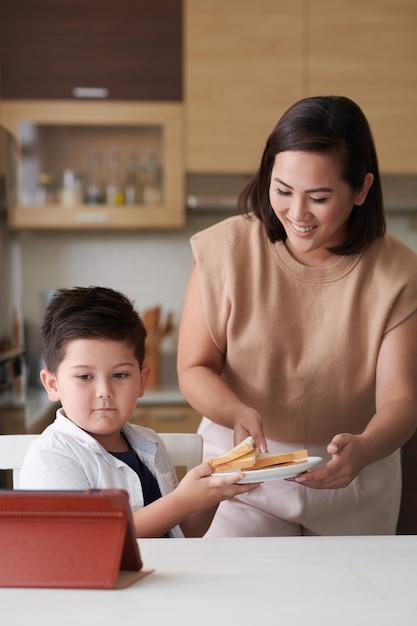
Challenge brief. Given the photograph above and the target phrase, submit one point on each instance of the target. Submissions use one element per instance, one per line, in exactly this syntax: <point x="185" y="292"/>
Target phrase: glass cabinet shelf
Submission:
<point x="97" y="165"/>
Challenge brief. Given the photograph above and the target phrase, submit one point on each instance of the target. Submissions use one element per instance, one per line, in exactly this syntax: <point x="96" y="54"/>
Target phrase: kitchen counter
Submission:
<point x="165" y="395"/>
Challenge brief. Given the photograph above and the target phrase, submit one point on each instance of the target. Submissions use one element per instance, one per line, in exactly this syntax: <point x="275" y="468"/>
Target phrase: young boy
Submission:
<point x="94" y="350"/>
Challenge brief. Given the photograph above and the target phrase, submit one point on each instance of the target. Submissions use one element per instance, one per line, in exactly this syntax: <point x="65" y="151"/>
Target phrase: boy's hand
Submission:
<point x="199" y="490"/>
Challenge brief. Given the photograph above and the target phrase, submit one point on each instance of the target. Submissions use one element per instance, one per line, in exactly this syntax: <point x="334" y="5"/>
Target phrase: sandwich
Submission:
<point x="284" y="458"/>
<point x="245" y="456"/>
<point x="245" y="451"/>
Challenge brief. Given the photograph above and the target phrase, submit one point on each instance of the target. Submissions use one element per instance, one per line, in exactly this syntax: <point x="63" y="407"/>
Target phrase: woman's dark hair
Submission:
<point x="90" y="313"/>
<point x="332" y="125"/>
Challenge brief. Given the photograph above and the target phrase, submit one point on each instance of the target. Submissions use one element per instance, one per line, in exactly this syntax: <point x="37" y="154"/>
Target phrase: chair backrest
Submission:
<point x="13" y="449"/>
<point x="185" y="450"/>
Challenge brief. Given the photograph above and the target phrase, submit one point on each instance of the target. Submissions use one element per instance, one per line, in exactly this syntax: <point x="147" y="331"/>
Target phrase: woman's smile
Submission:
<point x="302" y="230"/>
<point x="312" y="202"/>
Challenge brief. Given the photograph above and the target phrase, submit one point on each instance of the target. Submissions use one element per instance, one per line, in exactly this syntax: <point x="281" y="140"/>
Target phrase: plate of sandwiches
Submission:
<point x="262" y="466"/>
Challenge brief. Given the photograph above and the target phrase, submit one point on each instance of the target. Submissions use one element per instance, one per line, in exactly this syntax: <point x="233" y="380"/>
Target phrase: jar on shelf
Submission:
<point x="45" y="192"/>
<point x="134" y="180"/>
<point x="94" y="188"/>
<point x="114" y="185"/>
<point x="70" y="193"/>
<point x="152" y="192"/>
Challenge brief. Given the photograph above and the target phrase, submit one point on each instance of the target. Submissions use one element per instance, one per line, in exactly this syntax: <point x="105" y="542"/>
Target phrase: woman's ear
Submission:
<point x="49" y="381"/>
<point x="360" y="196"/>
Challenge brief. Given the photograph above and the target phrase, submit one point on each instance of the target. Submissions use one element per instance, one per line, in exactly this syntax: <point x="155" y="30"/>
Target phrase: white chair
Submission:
<point x="13" y="449"/>
<point x="185" y="450"/>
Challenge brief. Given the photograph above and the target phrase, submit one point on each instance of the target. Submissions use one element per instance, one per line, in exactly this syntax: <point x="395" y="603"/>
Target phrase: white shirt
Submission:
<point x="65" y="457"/>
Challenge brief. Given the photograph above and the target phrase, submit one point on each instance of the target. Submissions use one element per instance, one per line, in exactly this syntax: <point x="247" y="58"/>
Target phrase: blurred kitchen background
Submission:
<point x="137" y="123"/>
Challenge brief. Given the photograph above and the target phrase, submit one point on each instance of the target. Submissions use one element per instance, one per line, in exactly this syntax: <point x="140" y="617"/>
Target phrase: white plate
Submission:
<point x="274" y="473"/>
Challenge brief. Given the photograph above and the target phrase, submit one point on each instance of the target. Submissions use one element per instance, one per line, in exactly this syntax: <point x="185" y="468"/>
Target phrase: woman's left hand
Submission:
<point x="348" y="459"/>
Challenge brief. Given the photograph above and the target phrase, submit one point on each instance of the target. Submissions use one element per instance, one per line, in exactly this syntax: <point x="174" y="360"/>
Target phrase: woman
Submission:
<point x="299" y="328"/>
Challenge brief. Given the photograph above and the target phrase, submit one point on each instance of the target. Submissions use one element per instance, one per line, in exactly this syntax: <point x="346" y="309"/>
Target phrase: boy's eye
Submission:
<point x="84" y="376"/>
<point x="120" y="375"/>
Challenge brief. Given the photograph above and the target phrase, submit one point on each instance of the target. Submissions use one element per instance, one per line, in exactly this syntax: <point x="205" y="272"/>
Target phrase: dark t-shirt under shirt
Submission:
<point x="150" y="487"/>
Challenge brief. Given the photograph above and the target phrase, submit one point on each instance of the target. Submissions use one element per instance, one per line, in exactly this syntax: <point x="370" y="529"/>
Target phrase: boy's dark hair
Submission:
<point x="331" y="125"/>
<point x="90" y="313"/>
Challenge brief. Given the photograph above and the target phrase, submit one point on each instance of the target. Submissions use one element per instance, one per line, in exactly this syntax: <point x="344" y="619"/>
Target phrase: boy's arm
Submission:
<point x="159" y="517"/>
<point x="192" y="504"/>
<point x="197" y="524"/>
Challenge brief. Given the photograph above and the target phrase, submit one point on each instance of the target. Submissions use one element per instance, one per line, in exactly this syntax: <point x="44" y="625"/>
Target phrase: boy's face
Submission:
<point x="97" y="383"/>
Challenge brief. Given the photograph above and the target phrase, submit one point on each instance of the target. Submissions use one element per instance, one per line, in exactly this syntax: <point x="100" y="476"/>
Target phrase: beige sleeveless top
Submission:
<point x="301" y="343"/>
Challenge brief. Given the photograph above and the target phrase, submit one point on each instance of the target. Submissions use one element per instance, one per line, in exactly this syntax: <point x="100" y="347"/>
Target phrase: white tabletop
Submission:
<point x="294" y="581"/>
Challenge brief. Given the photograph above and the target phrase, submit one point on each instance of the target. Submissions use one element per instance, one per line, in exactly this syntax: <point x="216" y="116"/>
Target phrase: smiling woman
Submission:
<point x="299" y="328"/>
<point x="313" y="203"/>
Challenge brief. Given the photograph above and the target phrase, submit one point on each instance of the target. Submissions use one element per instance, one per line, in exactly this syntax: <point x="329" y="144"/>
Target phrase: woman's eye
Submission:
<point x="84" y="376"/>
<point x="318" y="200"/>
<point x="281" y="192"/>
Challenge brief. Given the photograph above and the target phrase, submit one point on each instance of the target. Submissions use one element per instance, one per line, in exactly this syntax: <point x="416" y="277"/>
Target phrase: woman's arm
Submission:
<point x="395" y="419"/>
<point x="200" y="364"/>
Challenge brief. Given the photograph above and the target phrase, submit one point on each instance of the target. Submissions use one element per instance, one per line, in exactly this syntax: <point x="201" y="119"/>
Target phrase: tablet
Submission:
<point x="68" y="539"/>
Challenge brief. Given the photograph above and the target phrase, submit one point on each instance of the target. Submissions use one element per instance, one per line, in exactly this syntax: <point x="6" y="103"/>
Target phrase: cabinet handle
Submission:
<point x="90" y="92"/>
<point x="91" y="218"/>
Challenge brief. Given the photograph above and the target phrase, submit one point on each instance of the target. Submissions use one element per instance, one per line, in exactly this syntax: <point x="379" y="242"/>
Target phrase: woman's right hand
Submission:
<point x="248" y="423"/>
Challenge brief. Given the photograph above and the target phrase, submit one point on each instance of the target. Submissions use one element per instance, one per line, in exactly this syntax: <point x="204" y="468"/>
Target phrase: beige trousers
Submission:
<point x="368" y="506"/>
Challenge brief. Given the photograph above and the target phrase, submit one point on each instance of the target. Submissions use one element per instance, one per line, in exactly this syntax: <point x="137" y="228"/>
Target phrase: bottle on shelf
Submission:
<point x="152" y="192"/>
<point x="114" y="186"/>
<point x="94" y="189"/>
<point x="45" y="192"/>
<point x="70" y="193"/>
<point x="134" y="180"/>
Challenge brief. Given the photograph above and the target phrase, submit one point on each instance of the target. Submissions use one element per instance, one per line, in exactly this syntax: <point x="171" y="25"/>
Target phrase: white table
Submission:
<point x="297" y="581"/>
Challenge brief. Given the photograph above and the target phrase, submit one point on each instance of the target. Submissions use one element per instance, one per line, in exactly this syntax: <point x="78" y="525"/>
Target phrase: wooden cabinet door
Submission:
<point x="166" y="418"/>
<point x="243" y="68"/>
<point x="368" y="51"/>
<point x="130" y="48"/>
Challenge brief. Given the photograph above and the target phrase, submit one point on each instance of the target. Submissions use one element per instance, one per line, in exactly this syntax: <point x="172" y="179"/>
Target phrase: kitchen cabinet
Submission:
<point x="58" y="137"/>
<point x="367" y="50"/>
<point x="243" y="68"/>
<point x="167" y="418"/>
<point x="247" y="62"/>
<point x="130" y="49"/>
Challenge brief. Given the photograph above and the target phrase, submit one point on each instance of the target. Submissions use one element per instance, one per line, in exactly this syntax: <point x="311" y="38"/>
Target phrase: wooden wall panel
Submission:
<point x="367" y="50"/>
<point x="244" y="67"/>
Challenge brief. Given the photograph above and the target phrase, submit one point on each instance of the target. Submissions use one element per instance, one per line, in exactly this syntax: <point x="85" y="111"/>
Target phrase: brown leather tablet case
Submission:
<point x="68" y="539"/>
